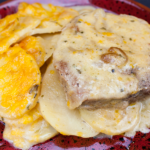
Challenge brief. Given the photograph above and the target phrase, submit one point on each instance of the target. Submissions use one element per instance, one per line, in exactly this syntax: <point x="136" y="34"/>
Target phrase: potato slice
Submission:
<point x="112" y="121"/>
<point x="18" y="29"/>
<point x="26" y="119"/>
<point x="28" y="130"/>
<point x="54" y="18"/>
<point x="47" y="27"/>
<point x="144" y="123"/>
<point x="8" y="23"/>
<point x="49" y="42"/>
<point x="33" y="19"/>
<point x="41" y="47"/>
<point x="28" y="135"/>
<point x="19" y="83"/>
<point x="34" y="46"/>
<point x="54" y="108"/>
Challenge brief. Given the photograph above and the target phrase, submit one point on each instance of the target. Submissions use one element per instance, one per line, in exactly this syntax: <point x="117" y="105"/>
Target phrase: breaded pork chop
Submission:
<point x="103" y="60"/>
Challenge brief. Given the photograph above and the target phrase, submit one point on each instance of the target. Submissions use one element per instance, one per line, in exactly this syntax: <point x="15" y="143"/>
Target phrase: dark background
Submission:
<point x="145" y="2"/>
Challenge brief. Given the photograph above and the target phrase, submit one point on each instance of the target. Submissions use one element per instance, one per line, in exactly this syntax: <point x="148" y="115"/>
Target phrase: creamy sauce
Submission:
<point x="86" y="39"/>
<point x="86" y="45"/>
<point x="89" y="7"/>
<point x="80" y="8"/>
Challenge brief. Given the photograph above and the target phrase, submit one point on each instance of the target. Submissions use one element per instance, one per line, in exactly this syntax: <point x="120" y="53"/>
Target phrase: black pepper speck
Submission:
<point x="113" y="70"/>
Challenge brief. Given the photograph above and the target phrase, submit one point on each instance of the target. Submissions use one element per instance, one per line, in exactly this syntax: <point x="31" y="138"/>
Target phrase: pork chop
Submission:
<point x="103" y="60"/>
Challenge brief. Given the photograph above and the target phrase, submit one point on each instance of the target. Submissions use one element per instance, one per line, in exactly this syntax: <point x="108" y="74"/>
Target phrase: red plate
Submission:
<point x="60" y="142"/>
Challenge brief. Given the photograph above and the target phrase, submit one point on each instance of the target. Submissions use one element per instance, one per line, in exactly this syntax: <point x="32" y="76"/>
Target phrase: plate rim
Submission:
<point x="126" y="1"/>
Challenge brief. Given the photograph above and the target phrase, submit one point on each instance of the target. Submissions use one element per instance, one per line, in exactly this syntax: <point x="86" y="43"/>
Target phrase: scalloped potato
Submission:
<point x="26" y="119"/>
<point x="40" y="98"/>
<point x="26" y="136"/>
<point x="112" y="121"/>
<point x="41" y="47"/>
<point x="144" y="123"/>
<point x="19" y="82"/>
<point x="28" y="130"/>
<point x="54" y="18"/>
<point x="49" y="43"/>
<point x="33" y="19"/>
<point x="16" y="29"/>
<point x="33" y="46"/>
<point x="54" y="108"/>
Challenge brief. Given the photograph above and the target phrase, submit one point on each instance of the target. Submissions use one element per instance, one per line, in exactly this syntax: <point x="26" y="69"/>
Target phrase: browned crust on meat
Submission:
<point x="119" y="103"/>
<point x="66" y="77"/>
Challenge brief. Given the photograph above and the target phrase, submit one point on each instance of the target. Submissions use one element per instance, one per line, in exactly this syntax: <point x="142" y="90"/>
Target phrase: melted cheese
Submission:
<point x="41" y="47"/>
<point x="26" y="119"/>
<point x="16" y="29"/>
<point x="19" y="81"/>
<point x="28" y="130"/>
<point x="33" y="46"/>
<point x="53" y="18"/>
<point x="24" y="137"/>
<point x="33" y="19"/>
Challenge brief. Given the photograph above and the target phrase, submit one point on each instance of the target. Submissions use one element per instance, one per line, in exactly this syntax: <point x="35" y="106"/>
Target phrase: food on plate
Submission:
<point x="74" y="71"/>
<point x="33" y="46"/>
<point x="113" y="121"/>
<point x="31" y="129"/>
<point x="144" y="123"/>
<point x="54" y="108"/>
<point x="83" y="9"/>
<point x="41" y="47"/>
<point x="27" y="136"/>
<point x="49" y="43"/>
<point x="15" y="28"/>
<point x="26" y="119"/>
<point x="20" y="79"/>
<point x="53" y="18"/>
<point x="103" y="60"/>
<point x="33" y="19"/>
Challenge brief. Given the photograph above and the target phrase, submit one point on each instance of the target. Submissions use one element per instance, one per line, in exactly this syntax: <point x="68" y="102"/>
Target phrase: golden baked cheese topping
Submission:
<point x="19" y="82"/>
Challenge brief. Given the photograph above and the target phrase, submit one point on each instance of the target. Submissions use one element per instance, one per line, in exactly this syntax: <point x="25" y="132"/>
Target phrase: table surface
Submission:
<point x="144" y="2"/>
